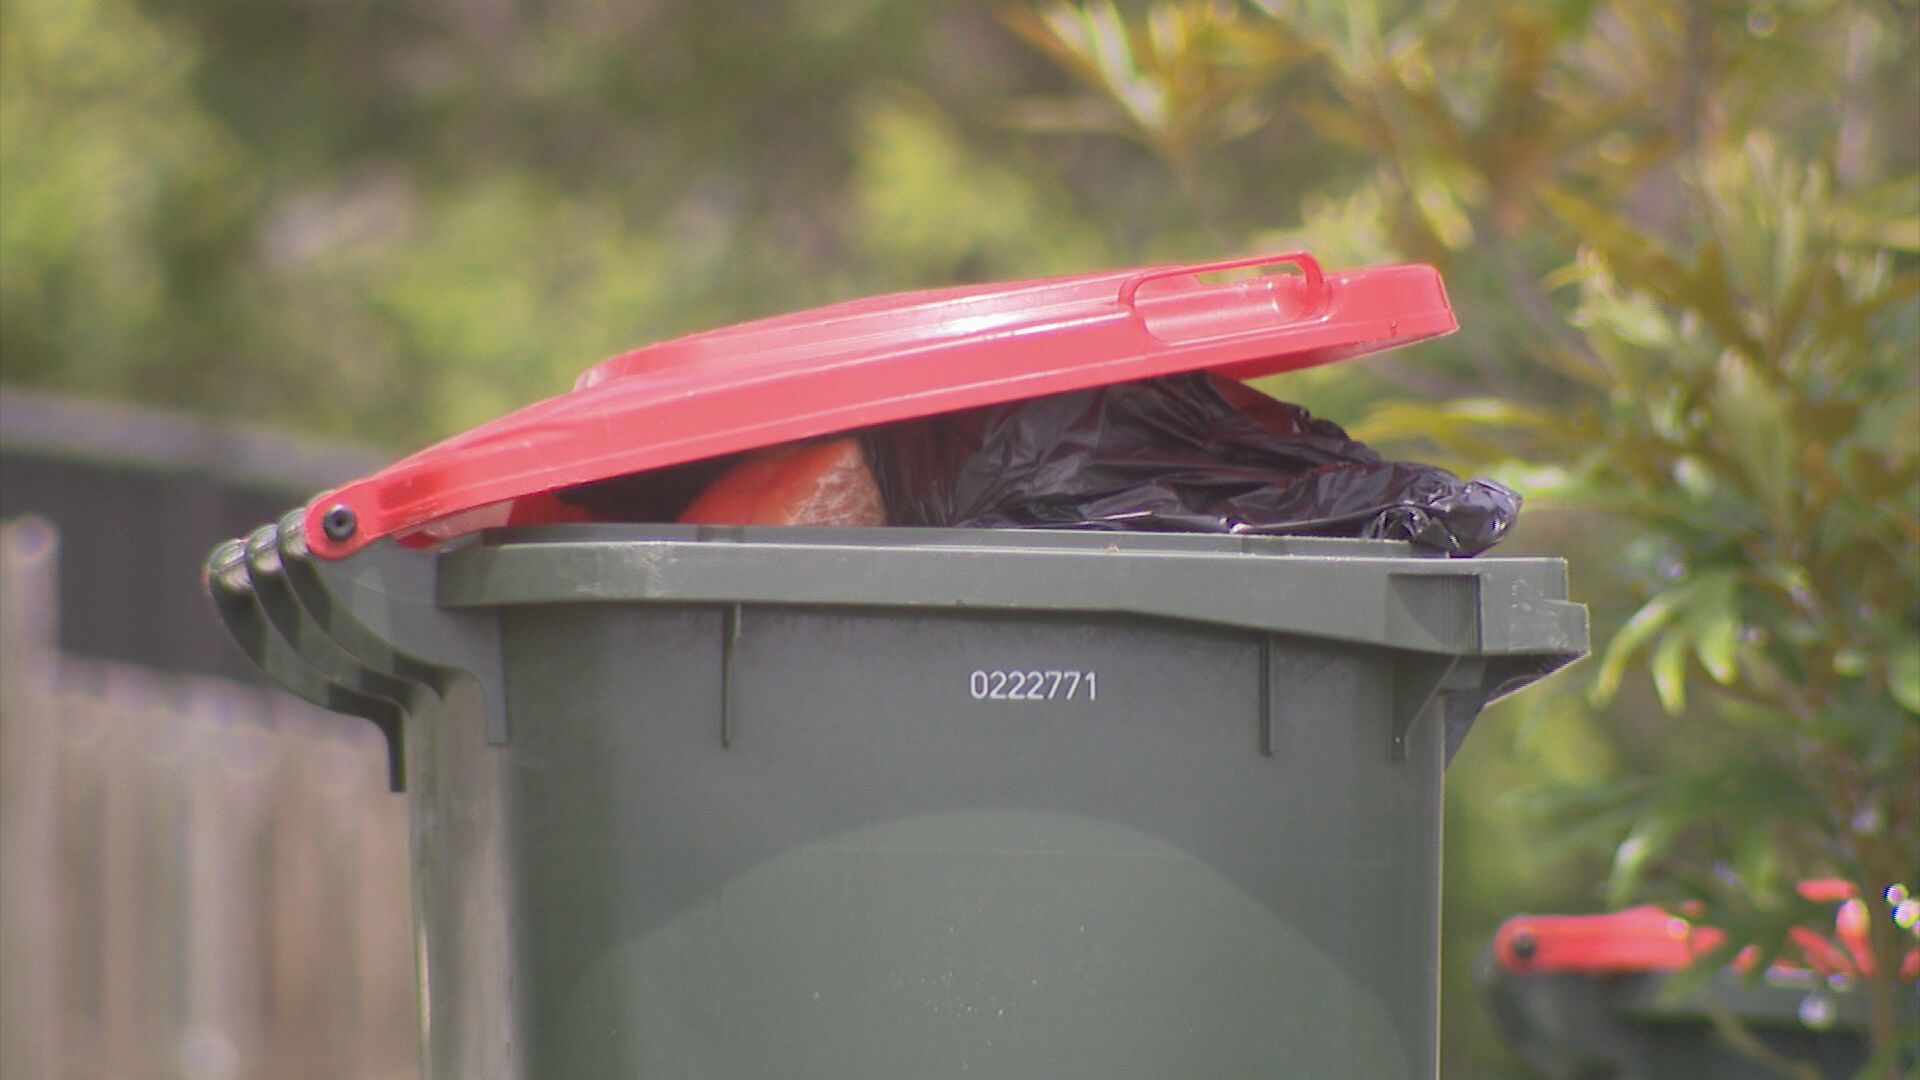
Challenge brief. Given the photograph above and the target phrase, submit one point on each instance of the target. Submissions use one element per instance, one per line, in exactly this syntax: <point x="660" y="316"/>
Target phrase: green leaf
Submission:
<point x="1342" y="126"/>
<point x="1648" y="841"/>
<point x="1853" y="320"/>
<point x="1903" y="675"/>
<point x="1755" y="420"/>
<point x="1620" y="651"/>
<point x="1887" y="216"/>
<point x="1442" y="213"/>
<point x="1756" y="859"/>
<point x="1642" y="264"/>
<point x="1716" y="638"/>
<point x="1669" y="670"/>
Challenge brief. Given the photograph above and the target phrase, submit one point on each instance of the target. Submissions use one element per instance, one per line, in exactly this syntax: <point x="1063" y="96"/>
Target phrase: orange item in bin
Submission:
<point x="819" y="483"/>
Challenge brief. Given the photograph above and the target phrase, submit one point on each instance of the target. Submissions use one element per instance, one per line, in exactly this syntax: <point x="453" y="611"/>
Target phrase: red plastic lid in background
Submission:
<point x="876" y="361"/>
<point x="1652" y="939"/>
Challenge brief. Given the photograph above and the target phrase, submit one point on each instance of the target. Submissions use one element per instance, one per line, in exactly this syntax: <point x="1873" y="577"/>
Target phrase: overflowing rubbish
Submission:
<point x="1183" y="453"/>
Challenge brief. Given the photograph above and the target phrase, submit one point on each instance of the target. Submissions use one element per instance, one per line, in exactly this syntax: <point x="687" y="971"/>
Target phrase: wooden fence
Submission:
<point x="198" y="878"/>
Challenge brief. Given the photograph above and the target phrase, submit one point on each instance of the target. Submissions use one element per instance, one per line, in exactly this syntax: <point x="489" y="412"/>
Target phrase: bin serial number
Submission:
<point x="1016" y="684"/>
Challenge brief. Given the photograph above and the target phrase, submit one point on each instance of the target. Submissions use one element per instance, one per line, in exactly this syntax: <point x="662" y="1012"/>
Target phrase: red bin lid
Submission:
<point x="879" y="360"/>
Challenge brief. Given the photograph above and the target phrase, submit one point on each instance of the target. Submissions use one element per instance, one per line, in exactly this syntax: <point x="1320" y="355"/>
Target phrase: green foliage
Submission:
<point x="90" y="191"/>
<point x="395" y="221"/>
<point x="932" y="208"/>
<point x="1183" y="80"/>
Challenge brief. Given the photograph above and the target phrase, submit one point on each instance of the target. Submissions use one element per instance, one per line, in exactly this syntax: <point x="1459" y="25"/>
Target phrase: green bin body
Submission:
<point x="914" y="803"/>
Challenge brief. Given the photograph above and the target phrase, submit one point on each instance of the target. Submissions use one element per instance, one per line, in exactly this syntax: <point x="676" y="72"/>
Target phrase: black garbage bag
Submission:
<point x="1185" y="453"/>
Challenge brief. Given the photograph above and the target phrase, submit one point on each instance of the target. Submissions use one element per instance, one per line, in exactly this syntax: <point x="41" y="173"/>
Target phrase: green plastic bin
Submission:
<point x="718" y="802"/>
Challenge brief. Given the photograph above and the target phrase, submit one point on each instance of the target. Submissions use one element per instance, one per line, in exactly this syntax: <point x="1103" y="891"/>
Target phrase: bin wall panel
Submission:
<point x="866" y="870"/>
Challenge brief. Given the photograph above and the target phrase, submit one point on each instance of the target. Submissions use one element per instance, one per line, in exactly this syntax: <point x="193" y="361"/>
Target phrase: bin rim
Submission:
<point x="1023" y="539"/>
<point x="1378" y="592"/>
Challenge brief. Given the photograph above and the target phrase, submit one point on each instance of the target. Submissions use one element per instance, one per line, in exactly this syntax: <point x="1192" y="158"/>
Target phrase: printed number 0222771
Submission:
<point x="1026" y="684"/>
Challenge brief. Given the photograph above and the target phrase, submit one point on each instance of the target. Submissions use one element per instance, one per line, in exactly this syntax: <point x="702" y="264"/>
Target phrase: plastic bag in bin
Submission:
<point x="1185" y="453"/>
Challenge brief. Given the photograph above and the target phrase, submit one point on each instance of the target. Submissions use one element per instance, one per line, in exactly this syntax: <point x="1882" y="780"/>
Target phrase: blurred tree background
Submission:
<point x="1683" y="240"/>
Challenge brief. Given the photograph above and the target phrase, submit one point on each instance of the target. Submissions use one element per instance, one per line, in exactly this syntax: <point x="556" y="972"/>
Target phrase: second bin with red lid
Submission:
<point x="699" y="800"/>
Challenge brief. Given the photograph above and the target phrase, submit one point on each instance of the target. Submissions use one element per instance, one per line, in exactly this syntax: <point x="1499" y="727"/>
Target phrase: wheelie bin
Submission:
<point x="820" y="802"/>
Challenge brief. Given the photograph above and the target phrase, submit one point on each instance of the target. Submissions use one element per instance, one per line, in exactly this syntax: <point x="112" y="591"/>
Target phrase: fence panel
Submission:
<point x="203" y="879"/>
